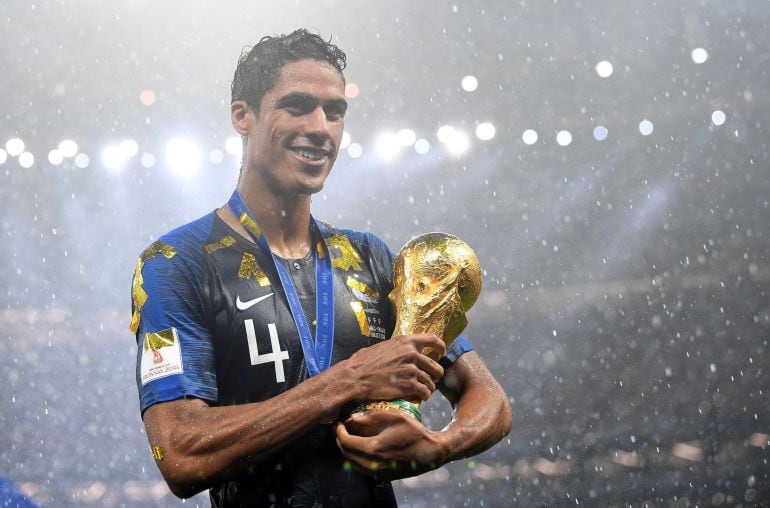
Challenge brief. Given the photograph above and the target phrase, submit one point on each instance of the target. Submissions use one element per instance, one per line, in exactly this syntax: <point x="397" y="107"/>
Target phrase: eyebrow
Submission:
<point x="303" y="98"/>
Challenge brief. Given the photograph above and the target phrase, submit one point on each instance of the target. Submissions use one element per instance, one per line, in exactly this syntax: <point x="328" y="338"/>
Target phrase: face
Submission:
<point x="293" y="140"/>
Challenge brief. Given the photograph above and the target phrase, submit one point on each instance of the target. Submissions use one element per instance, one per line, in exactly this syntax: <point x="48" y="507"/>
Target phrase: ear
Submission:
<point x="241" y="117"/>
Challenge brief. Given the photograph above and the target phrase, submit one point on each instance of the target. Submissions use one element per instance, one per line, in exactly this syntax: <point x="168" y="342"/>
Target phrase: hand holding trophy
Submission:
<point x="436" y="280"/>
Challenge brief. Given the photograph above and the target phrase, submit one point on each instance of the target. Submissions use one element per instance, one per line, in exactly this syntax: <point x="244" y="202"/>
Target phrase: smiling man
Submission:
<point x="258" y="327"/>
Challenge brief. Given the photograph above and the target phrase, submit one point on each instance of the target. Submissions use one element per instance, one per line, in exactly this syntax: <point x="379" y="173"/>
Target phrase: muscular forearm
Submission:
<point x="482" y="414"/>
<point x="200" y="444"/>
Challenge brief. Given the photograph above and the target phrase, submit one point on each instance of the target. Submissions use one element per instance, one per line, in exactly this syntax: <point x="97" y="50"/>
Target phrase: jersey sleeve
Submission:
<point x="175" y="356"/>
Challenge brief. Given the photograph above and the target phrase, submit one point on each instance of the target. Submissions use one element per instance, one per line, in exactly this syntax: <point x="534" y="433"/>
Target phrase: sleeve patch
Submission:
<point x="161" y="355"/>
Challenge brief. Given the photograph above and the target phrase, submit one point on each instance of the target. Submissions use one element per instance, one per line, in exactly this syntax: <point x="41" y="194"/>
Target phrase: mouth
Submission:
<point x="310" y="155"/>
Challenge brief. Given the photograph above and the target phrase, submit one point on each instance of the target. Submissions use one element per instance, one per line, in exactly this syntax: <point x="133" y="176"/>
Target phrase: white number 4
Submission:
<point x="276" y="356"/>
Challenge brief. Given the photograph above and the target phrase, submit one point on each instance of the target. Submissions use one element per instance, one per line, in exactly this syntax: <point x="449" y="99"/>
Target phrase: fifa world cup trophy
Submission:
<point x="436" y="280"/>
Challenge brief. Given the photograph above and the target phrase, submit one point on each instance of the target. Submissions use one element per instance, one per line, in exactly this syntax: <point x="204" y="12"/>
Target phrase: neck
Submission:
<point x="284" y="220"/>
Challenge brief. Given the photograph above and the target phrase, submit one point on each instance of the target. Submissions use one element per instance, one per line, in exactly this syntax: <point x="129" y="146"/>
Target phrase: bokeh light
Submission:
<point x="718" y="117"/>
<point x="82" y="160"/>
<point x="234" y="146"/>
<point x="26" y="160"/>
<point x="216" y="156"/>
<point x="129" y="148"/>
<point x="351" y="90"/>
<point x="529" y="137"/>
<point x="458" y="143"/>
<point x="147" y="160"/>
<point x="55" y="157"/>
<point x="699" y="55"/>
<point x="14" y="147"/>
<point x="3" y="156"/>
<point x="387" y="145"/>
<point x="183" y="156"/>
<point x="564" y="138"/>
<point x="114" y="158"/>
<point x="406" y="137"/>
<point x="485" y="131"/>
<point x="422" y="146"/>
<point x="147" y="97"/>
<point x="646" y="127"/>
<point x="469" y="83"/>
<point x="600" y="133"/>
<point x="355" y="150"/>
<point x="68" y="148"/>
<point x="604" y="69"/>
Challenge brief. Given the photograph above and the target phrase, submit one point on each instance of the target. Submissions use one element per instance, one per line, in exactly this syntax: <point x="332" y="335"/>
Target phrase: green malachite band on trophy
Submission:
<point x="403" y="405"/>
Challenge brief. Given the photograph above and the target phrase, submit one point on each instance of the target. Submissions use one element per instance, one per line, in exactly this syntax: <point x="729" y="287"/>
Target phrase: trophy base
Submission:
<point x="405" y="406"/>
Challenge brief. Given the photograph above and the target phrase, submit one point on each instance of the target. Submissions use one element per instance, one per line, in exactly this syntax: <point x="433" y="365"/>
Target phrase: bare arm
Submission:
<point x="390" y="444"/>
<point x="201" y="444"/>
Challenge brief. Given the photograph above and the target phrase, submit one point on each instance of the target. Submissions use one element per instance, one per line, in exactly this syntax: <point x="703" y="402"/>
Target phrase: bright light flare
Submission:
<point x="458" y="143"/>
<point x="406" y="137"/>
<point x="183" y="155"/>
<point x="564" y="138"/>
<point x="129" y="148"/>
<point x="604" y="69"/>
<point x="485" y="131"/>
<point x="718" y="117"/>
<point x="114" y="158"/>
<point x="55" y="157"/>
<point x="14" y="147"/>
<point x="469" y="83"/>
<point x="234" y="146"/>
<point x="388" y="146"/>
<point x="26" y="160"/>
<point x="699" y="55"/>
<point x="3" y="156"/>
<point x="529" y="137"/>
<point x="68" y="148"/>
<point x="646" y="127"/>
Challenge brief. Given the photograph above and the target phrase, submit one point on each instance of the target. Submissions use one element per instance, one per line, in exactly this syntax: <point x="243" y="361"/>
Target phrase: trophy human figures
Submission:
<point x="436" y="280"/>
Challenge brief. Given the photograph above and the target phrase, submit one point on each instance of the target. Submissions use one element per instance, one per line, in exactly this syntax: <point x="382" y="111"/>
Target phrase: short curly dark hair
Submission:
<point x="259" y="66"/>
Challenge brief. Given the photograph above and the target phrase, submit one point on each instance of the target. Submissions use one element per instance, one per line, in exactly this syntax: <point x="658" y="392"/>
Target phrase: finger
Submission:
<point x="431" y="340"/>
<point x="431" y="367"/>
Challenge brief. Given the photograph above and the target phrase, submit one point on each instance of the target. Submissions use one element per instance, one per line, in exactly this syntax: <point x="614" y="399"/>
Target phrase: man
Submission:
<point x="258" y="327"/>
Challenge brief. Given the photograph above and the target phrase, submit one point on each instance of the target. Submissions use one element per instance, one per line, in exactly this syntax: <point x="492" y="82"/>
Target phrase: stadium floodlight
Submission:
<point x="183" y="155"/>
<point x="406" y="137"/>
<point x="114" y="158"/>
<point x="388" y="146"/>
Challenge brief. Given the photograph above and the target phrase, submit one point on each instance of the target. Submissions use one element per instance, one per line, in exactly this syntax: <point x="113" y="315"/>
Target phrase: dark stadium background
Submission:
<point x="625" y="305"/>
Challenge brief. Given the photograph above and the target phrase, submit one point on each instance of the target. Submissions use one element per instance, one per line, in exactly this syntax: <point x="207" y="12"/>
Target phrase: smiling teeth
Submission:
<point x="309" y="154"/>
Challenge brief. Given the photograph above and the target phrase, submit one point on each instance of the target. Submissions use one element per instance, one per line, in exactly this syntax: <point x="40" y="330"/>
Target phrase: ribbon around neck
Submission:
<point x="318" y="352"/>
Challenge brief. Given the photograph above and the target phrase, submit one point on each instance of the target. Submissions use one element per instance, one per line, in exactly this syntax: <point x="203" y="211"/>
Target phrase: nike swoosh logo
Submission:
<point x="250" y="303"/>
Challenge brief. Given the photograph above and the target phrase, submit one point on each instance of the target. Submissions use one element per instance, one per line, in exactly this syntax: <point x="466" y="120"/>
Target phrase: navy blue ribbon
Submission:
<point x="318" y="353"/>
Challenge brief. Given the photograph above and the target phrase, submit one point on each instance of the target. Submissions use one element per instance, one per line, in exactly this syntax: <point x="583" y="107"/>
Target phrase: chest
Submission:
<point x="257" y="344"/>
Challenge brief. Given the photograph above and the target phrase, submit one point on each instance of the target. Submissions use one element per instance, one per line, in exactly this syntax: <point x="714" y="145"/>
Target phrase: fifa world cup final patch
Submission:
<point x="161" y="355"/>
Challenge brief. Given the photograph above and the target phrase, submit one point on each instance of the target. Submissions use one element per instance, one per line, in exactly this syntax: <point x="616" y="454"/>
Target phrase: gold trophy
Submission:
<point x="436" y="280"/>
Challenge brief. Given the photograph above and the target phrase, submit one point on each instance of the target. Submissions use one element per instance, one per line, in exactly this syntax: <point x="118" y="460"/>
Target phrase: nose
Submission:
<point x="317" y="126"/>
